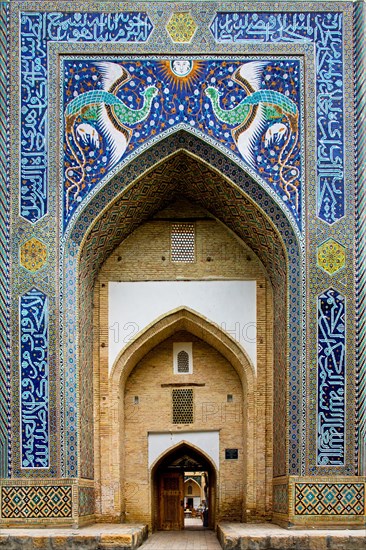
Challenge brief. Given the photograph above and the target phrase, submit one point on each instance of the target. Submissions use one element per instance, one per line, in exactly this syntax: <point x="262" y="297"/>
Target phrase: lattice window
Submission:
<point x="183" y="361"/>
<point x="182" y="242"/>
<point x="182" y="406"/>
<point x="182" y="358"/>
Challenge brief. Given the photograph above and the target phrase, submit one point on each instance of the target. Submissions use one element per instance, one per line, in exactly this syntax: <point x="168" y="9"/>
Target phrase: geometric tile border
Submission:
<point x="359" y="27"/>
<point x="4" y="239"/>
<point x="36" y="502"/>
<point x="339" y="499"/>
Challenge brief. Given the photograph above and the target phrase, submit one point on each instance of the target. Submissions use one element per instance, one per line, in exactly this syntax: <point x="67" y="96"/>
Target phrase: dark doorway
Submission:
<point x="172" y="509"/>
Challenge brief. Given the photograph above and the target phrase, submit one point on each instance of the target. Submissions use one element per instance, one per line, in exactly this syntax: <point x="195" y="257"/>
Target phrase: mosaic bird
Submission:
<point x="88" y="135"/>
<point x="249" y="119"/>
<point x="249" y="116"/>
<point x="113" y="115"/>
<point x="113" y="118"/>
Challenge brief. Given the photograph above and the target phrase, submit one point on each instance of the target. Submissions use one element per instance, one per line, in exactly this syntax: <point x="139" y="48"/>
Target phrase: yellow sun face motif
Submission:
<point x="181" y="73"/>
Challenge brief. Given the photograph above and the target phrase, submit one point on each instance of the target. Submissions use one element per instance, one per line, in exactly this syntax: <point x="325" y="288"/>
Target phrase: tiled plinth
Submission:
<point x="241" y="536"/>
<point x="95" y="537"/>
<point x="320" y="502"/>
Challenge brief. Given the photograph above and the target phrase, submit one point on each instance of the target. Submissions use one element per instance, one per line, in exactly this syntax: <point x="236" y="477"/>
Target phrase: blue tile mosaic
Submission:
<point x="331" y="398"/>
<point x="37" y="29"/>
<point x="5" y="456"/>
<point x="317" y="441"/>
<point x="114" y="107"/>
<point x="34" y="379"/>
<point x="326" y="31"/>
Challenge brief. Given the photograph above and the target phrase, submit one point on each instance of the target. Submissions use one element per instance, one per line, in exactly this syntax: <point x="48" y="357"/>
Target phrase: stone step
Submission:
<point x="232" y="536"/>
<point x="93" y="537"/>
<point x="242" y="536"/>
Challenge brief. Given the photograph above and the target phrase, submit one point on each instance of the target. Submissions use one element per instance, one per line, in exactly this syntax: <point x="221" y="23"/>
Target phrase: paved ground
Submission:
<point x="189" y="539"/>
<point x="193" y="523"/>
<point x="194" y="537"/>
<point x="249" y="536"/>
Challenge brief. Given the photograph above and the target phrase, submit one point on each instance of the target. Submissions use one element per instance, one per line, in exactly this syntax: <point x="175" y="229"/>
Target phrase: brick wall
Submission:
<point x="123" y="485"/>
<point x="145" y="254"/>
<point x="211" y="411"/>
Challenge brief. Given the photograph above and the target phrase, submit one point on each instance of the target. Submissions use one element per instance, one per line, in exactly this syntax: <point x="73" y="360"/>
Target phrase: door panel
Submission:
<point x="171" y="501"/>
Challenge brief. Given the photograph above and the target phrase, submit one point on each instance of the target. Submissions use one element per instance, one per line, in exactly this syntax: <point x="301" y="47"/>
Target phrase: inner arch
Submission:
<point x="199" y="445"/>
<point x="190" y="321"/>
<point x="185" y="456"/>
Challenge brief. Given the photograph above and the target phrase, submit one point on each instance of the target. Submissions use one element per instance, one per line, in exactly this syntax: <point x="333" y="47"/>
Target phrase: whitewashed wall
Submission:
<point x="229" y="304"/>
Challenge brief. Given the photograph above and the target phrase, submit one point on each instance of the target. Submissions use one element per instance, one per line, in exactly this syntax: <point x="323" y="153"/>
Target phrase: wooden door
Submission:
<point x="171" y="501"/>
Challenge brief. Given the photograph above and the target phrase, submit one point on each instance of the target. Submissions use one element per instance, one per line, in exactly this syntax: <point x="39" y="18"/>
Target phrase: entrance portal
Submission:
<point x="171" y="510"/>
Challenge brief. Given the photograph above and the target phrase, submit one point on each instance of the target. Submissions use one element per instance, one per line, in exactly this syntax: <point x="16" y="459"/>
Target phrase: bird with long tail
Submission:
<point x="249" y="117"/>
<point x="113" y="117"/>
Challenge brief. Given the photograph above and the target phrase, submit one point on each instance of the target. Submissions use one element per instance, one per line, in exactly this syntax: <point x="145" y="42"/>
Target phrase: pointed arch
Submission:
<point x="208" y="465"/>
<point x="165" y="326"/>
<point x="175" y="449"/>
<point x="157" y="332"/>
<point x="184" y="165"/>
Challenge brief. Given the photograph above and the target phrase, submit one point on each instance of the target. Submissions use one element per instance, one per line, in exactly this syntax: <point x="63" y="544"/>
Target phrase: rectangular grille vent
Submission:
<point x="182" y="243"/>
<point x="183" y="406"/>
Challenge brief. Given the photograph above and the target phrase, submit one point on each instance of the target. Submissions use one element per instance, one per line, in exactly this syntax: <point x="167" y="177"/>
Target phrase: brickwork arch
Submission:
<point x="181" y="319"/>
<point x="168" y="324"/>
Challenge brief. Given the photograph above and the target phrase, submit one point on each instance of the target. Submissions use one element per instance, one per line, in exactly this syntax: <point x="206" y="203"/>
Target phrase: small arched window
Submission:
<point x="182" y="358"/>
<point x="183" y="362"/>
<point x="189" y="489"/>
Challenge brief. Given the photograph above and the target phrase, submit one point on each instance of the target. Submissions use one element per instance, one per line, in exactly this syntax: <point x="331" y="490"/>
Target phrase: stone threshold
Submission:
<point x="232" y="536"/>
<point x="263" y="536"/>
<point x="100" y="536"/>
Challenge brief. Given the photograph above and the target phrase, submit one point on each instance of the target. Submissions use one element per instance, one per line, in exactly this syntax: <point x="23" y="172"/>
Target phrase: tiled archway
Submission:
<point x="183" y="165"/>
